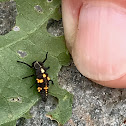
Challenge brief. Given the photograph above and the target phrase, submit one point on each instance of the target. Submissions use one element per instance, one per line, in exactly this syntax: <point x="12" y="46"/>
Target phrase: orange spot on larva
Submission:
<point x="39" y="89"/>
<point x="48" y="78"/>
<point x="44" y="75"/>
<point x="40" y="80"/>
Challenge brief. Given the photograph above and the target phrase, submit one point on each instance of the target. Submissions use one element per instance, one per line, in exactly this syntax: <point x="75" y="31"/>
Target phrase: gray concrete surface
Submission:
<point x="8" y="13"/>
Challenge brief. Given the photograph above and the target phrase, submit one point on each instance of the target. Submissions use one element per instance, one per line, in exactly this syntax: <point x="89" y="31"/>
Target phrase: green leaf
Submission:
<point x="16" y="97"/>
<point x="63" y="110"/>
<point x="13" y="123"/>
<point x="27" y="115"/>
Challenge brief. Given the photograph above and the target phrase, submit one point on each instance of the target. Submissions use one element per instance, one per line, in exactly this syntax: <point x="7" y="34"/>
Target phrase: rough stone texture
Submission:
<point x="94" y="105"/>
<point x="8" y="13"/>
<point x="38" y="113"/>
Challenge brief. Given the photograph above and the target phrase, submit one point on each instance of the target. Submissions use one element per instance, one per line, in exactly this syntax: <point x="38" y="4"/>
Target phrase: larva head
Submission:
<point x="37" y="65"/>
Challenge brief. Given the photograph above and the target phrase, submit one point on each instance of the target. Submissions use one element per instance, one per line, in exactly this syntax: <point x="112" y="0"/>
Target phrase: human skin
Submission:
<point x="95" y="33"/>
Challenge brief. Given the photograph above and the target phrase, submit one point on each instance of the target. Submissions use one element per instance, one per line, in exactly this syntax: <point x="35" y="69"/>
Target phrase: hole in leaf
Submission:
<point x="21" y="121"/>
<point x="18" y="99"/>
<point x="21" y="53"/>
<point x="49" y="0"/>
<point x="8" y="13"/>
<point x="16" y="28"/>
<point x="55" y="27"/>
<point x="38" y="8"/>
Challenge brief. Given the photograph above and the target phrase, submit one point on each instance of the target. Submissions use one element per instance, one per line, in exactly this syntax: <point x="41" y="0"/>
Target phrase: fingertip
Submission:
<point x="117" y="83"/>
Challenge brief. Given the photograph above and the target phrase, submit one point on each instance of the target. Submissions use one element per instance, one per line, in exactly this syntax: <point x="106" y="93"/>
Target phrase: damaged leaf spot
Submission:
<point x="16" y="28"/>
<point x="38" y="8"/>
<point x="51" y="9"/>
<point x="55" y="27"/>
<point x="10" y="116"/>
<point x="65" y="97"/>
<point x="21" y="53"/>
<point x="8" y="13"/>
<point x="16" y="99"/>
